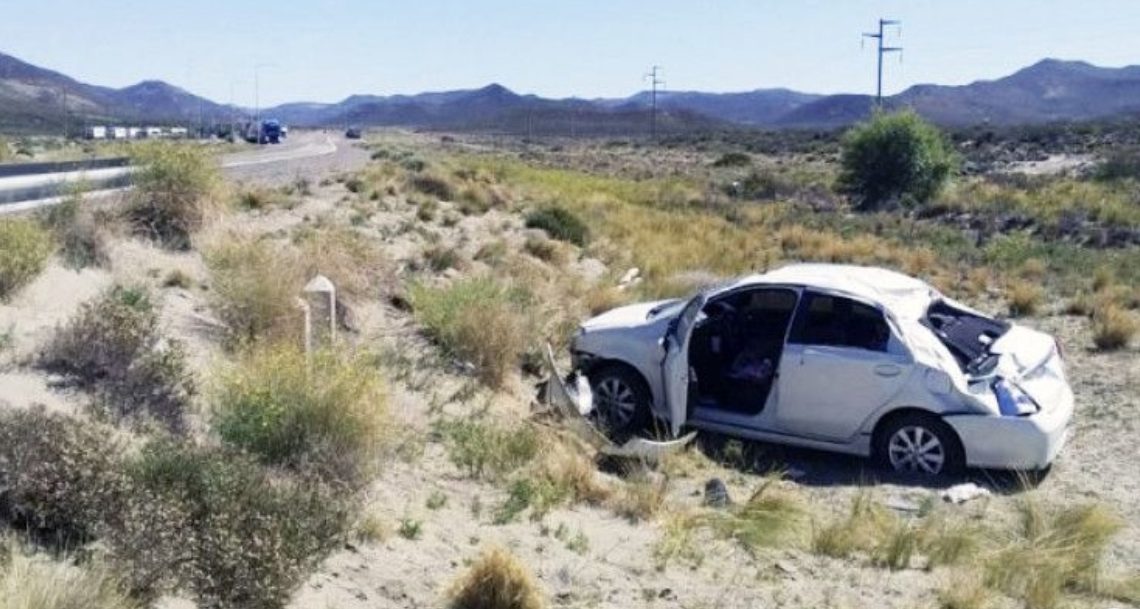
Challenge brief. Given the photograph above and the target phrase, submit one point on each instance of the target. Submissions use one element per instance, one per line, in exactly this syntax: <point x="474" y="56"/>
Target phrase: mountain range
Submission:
<point x="37" y="99"/>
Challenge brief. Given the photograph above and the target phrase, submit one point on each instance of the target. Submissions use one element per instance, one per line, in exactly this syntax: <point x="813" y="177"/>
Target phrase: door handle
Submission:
<point x="887" y="370"/>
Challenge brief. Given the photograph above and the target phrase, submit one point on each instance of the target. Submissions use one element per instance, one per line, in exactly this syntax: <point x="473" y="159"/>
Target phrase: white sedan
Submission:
<point x="850" y="359"/>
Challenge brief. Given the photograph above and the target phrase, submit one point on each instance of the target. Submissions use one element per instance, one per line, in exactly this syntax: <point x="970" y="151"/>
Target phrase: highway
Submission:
<point x="303" y="152"/>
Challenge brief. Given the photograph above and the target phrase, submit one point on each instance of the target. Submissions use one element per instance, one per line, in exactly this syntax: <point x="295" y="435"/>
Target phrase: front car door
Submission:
<point x="675" y="367"/>
<point x="841" y="363"/>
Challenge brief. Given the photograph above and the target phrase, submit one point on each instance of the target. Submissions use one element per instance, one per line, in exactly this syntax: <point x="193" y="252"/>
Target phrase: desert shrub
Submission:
<point x="862" y="530"/>
<point x="1119" y="164"/>
<point x="58" y="475"/>
<point x="255" y="284"/>
<point x="485" y="449"/>
<point x="82" y="239"/>
<point x="895" y="156"/>
<point x="1112" y="326"/>
<point x="245" y="538"/>
<point x="733" y="159"/>
<point x="174" y="190"/>
<point x="439" y="258"/>
<point x="324" y="412"/>
<point x="497" y="580"/>
<point x="640" y="498"/>
<point x="478" y="320"/>
<point x="1024" y="298"/>
<point x="545" y="249"/>
<point x="355" y="264"/>
<point x="432" y="184"/>
<point x="113" y="346"/>
<point x="560" y="224"/>
<point x="24" y="250"/>
<point x="262" y="198"/>
<point x="33" y="580"/>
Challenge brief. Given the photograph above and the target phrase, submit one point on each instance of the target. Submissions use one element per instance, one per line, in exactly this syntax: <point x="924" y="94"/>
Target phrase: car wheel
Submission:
<point x="919" y="444"/>
<point x="621" y="399"/>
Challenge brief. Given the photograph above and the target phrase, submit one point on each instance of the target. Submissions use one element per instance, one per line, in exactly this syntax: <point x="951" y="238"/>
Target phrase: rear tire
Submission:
<point x="621" y="400"/>
<point x="919" y="444"/>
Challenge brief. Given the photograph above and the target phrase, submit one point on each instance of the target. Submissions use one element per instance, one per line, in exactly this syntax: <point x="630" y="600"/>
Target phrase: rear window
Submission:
<point x="968" y="335"/>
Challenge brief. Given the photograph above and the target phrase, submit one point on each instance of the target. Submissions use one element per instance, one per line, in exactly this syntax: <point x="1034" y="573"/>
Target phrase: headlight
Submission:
<point x="1012" y="401"/>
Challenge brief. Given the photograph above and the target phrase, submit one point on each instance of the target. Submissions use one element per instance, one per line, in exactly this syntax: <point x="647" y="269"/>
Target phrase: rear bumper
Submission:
<point x="1020" y="443"/>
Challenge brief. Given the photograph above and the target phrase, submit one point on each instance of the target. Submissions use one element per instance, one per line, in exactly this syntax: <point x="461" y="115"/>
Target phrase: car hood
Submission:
<point x="631" y="316"/>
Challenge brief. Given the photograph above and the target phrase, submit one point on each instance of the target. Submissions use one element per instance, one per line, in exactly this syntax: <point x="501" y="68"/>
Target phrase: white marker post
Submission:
<point x="320" y="317"/>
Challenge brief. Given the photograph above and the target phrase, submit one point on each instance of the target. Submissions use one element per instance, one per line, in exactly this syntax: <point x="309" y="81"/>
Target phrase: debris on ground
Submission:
<point x="961" y="493"/>
<point x="716" y="494"/>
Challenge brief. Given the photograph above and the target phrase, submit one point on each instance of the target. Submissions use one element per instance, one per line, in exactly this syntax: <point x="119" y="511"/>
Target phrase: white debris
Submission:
<point x="961" y="493"/>
<point x="631" y="276"/>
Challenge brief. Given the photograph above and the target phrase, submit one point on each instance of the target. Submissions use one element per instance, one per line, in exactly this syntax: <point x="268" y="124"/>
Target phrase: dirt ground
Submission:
<point x="582" y="556"/>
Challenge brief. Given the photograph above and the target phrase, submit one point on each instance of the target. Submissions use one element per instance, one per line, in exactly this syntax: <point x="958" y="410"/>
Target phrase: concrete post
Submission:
<point x="320" y="324"/>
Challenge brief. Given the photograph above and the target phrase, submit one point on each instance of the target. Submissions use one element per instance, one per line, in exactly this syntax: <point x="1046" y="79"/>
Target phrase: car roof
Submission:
<point x="901" y="294"/>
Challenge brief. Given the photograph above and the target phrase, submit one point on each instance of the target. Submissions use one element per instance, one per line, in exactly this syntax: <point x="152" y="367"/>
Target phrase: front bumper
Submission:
<point x="1012" y="442"/>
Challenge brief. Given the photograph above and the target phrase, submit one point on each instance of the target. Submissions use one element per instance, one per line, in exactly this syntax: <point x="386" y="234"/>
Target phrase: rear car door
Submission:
<point x="840" y="364"/>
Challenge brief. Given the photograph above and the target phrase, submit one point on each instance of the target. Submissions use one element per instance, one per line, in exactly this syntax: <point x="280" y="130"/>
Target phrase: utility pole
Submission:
<point x="882" y="49"/>
<point x="257" y="98"/>
<point x="654" y="82"/>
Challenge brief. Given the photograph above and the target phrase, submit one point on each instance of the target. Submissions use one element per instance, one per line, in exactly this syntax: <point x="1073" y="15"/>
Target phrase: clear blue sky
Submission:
<point x="326" y="50"/>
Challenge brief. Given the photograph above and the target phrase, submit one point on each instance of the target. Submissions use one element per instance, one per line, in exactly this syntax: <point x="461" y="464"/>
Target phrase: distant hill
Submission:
<point x="34" y="98"/>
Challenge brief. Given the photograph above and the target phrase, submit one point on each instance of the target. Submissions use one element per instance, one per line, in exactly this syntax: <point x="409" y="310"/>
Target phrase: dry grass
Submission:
<point x="497" y="580"/>
<point x="965" y="590"/>
<point x="355" y="263"/>
<point x="30" y="580"/>
<point x="1112" y="327"/>
<point x="773" y="516"/>
<point x="479" y="321"/>
<point x="1052" y="551"/>
<point x="489" y="449"/>
<point x="640" y="498"/>
<point x="1024" y="298"/>
<point x="254" y="287"/>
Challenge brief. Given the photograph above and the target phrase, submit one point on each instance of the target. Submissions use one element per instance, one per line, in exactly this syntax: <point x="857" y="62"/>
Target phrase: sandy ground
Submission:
<point x="582" y="556"/>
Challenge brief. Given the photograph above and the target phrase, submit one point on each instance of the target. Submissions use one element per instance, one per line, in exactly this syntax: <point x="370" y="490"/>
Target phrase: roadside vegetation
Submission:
<point x="175" y="194"/>
<point x="24" y="250"/>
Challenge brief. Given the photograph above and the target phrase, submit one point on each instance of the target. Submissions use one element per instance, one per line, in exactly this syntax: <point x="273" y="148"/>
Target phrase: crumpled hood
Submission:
<point x="623" y="317"/>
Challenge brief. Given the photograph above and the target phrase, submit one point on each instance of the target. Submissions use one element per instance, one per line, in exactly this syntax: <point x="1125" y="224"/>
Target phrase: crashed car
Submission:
<point x="850" y="359"/>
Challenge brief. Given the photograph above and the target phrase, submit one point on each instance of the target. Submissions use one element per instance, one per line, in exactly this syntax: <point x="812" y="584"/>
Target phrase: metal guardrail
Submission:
<point x="55" y="189"/>
<point x="28" y="169"/>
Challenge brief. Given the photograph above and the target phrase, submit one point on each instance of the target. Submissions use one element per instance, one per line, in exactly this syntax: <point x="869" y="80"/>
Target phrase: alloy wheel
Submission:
<point x="616" y="401"/>
<point x="916" y="449"/>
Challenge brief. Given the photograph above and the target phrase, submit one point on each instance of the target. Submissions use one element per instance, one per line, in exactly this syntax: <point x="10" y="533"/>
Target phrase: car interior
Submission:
<point x="735" y="348"/>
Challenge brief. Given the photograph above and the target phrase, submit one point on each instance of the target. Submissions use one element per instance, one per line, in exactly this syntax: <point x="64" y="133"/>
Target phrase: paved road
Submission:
<point x="306" y="154"/>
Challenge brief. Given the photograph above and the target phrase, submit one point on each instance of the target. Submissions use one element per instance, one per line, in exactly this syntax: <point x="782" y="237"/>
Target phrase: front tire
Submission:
<point x="621" y="400"/>
<point x="919" y="444"/>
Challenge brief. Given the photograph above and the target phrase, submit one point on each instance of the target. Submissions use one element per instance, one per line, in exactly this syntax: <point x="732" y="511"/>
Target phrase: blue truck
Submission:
<point x="270" y="131"/>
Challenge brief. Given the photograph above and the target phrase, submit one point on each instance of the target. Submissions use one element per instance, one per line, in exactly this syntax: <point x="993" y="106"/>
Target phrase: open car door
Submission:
<point x="675" y="368"/>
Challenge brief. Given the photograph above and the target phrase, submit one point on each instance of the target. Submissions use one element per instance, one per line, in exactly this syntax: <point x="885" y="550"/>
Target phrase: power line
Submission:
<point x="654" y="82"/>
<point x="882" y="49"/>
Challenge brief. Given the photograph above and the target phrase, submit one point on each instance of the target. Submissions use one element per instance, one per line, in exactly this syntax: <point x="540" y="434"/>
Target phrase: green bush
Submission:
<point x="483" y="449"/>
<point x="1119" y="164"/>
<point x="254" y="287"/>
<point x="24" y="250"/>
<point x="174" y="191"/>
<point x="477" y="320"/>
<point x="560" y="224"/>
<point x="114" y="348"/>
<point x="244" y="538"/>
<point x="895" y="157"/>
<point x="324" y="413"/>
<point x="58" y="475"/>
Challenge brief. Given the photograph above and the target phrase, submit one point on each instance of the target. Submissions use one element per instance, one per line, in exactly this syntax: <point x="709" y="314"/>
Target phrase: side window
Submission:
<point x="835" y="321"/>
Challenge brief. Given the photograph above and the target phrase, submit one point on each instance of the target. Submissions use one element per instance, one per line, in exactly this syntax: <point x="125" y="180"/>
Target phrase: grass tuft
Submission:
<point x="497" y="580"/>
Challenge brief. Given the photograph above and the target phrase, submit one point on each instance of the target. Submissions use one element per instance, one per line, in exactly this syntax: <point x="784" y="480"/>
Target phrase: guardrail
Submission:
<point x="10" y="170"/>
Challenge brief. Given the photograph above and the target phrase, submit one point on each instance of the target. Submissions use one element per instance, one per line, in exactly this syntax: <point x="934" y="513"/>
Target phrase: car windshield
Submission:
<point x="967" y="334"/>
